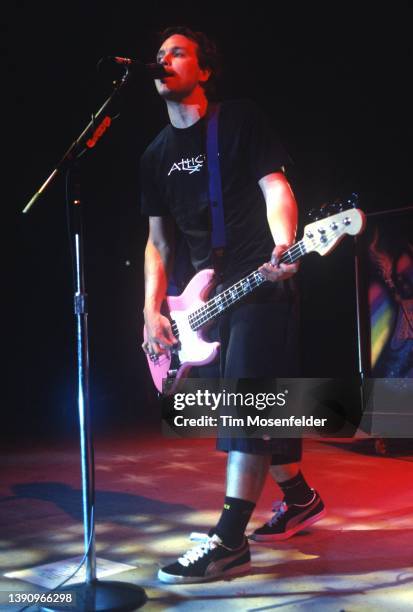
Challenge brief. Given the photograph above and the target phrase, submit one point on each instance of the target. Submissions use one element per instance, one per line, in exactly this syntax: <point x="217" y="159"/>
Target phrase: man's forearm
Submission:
<point x="157" y="266"/>
<point x="283" y="222"/>
<point x="282" y="215"/>
<point x="282" y="212"/>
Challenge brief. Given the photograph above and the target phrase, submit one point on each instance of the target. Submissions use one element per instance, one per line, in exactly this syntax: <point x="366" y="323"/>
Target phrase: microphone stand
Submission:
<point x="93" y="594"/>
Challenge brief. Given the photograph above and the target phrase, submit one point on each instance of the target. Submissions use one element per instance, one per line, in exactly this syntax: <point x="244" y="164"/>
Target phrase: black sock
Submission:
<point x="296" y="490"/>
<point x="232" y="523"/>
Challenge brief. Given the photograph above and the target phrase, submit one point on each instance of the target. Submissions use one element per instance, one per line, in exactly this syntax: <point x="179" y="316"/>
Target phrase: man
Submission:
<point x="257" y="337"/>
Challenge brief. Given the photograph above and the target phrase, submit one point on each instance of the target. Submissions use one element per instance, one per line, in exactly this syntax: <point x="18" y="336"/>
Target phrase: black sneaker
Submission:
<point x="287" y="520"/>
<point x="211" y="560"/>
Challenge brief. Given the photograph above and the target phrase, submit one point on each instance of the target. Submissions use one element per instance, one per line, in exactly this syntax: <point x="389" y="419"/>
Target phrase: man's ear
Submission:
<point x="204" y="76"/>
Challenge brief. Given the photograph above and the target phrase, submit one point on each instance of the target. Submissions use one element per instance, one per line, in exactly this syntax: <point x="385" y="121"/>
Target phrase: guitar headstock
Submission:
<point x="337" y="220"/>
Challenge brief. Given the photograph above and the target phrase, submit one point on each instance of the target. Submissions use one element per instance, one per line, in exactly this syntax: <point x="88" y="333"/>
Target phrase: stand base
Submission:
<point x="101" y="596"/>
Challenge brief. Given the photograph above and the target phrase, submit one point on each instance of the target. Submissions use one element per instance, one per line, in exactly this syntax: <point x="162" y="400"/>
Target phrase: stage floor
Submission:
<point x="151" y="492"/>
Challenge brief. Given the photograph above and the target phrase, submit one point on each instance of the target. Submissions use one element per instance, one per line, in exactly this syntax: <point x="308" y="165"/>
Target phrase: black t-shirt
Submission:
<point x="174" y="181"/>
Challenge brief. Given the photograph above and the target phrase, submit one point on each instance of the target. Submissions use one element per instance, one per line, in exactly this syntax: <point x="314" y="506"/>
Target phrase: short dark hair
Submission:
<point x="207" y="52"/>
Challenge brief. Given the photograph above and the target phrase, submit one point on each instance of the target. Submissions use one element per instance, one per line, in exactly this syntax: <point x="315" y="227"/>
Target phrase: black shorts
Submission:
<point x="260" y="340"/>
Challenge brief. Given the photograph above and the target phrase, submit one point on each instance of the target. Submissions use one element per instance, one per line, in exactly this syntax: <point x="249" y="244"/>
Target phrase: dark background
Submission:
<point x="336" y="83"/>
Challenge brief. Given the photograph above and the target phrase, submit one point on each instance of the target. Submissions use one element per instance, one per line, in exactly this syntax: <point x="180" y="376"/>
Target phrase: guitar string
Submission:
<point x="219" y="303"/>
<point x="226" y="298"/>
<point x="241" y="283"/>
<point x="213" y="307"/>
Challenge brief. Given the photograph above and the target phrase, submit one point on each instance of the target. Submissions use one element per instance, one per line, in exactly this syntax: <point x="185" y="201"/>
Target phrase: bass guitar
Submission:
<point x="192" y="311"/>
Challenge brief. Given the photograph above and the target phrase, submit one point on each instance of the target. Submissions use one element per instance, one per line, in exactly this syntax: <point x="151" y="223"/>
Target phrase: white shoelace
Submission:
<point x="280" y="508"/>
<point x="207" y="544"/>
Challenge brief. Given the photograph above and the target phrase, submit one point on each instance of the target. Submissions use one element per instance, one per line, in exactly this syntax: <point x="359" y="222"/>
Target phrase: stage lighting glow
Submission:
<point x="128" y="548"/>
<point x="382" y="320"/>
<point x="135" y="519"/>
<point x="15" y="558"/>
<point x="204" y="519"/>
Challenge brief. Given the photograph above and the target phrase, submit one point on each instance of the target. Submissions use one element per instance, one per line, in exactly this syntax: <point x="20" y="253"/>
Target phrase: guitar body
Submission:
<point x="193" y="349"/>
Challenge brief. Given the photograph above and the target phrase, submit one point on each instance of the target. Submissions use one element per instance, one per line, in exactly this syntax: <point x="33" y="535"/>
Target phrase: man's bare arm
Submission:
<point x="159" y="254"/>
<point x="158" y="262"/>
<point x="282" y="215"/>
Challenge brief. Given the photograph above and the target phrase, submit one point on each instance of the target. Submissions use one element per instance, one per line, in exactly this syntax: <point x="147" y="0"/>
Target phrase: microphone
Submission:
<point x="156" y="71"/>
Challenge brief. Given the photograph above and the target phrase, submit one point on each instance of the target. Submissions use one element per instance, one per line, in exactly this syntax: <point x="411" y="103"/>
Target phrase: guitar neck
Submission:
<point x="224" y="300"/>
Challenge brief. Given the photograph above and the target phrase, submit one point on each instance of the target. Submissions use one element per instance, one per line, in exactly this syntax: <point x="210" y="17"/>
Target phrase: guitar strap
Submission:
<point x="218" y="237"/>
<point x="183" y="270"/>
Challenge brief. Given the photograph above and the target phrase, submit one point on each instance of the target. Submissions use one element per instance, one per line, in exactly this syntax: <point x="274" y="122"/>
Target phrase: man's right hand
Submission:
<point x="160" y="338"/>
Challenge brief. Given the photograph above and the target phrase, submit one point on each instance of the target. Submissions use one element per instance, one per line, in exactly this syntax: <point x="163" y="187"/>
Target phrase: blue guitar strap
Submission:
<point x="218" y="237"/>
<point x="183" y="270"/>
